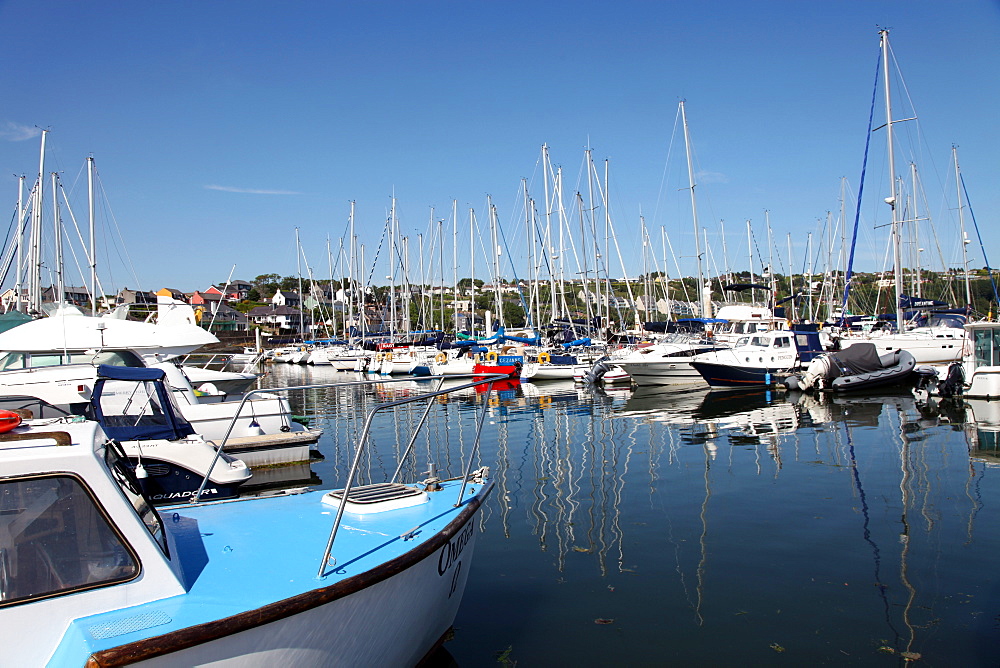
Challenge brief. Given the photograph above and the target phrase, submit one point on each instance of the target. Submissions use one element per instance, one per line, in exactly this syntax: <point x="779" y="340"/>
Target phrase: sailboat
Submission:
<point x="668" y="362"/>
<point x="941" y="342"/>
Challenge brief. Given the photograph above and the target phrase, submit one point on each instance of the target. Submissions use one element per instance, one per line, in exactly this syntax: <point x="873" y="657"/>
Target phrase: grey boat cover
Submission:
<point x="859" y="358"/>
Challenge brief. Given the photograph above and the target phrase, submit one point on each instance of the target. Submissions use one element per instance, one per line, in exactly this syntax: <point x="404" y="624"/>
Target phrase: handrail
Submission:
<point x="491" y="379"/>
<point x="483" y="379"/>
<point x="213" y="358"/>
<point x="416" y="432"/>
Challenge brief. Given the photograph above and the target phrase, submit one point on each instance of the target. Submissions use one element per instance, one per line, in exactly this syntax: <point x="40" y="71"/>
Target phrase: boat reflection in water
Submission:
<point x="703" y="528"/>
<point x="982" y="428"/>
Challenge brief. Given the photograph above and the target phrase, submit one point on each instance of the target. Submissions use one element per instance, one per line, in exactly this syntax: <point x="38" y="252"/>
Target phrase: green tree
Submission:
<point x="267" y="284"/>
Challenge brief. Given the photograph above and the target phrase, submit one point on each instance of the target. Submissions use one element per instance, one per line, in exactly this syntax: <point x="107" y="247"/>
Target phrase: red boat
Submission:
<point x="512" y="371"/>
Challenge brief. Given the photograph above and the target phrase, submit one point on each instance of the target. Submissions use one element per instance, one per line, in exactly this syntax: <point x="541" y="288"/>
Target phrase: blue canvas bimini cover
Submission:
<point x="146" y="414"/>
<point x="128" y="373"/>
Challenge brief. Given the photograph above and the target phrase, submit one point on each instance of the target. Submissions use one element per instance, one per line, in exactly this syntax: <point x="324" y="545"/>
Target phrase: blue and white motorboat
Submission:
<point x="91" y="574"/>
<point x="759" y="360"/>
<point x="172" y="461"/>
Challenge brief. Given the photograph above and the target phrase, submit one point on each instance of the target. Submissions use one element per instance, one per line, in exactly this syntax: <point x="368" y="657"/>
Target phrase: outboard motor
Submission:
<point x="600" y="368"/>
<point x="953" y="384"/>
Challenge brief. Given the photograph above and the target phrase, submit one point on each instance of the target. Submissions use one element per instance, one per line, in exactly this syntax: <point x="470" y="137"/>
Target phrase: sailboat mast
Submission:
<point x="750" y="255"/>
<point x="405" y="284"/>
<point x="454" y="257"/>
<point x="563" y="307"/>
<point x="472" y="269"/>
<point x="891" y="200"/>
<point x="341" y="261"/>
<point x="529" y="225"/>
<point x="363" y="302"/>
<point x="586" y="270"/>
<point x="329" y="265"/>
<point x="350" y="271"/>
<point x="93" y="243"/>
<point x="791" y="278"/>
<point x="59" y="289"/>
<point x="392" y="269"/>
<point x="842" y="263"/>
<point x="808" y="282"/>
<point x="961" y="224"/>
<point x="725" y="252"/>
<point x="18" y="301"/>
<point x="422" y="310"/>
<point x="35" y="254"/>
<point x="597" y="251"/>
<point x="440" y="236"/>
<point x="694" y="215"/>
<point x="495" y="236"/>
<point x="772" y="283"/>
<point x="298" y="270"/>
<point x="549" y="247"/>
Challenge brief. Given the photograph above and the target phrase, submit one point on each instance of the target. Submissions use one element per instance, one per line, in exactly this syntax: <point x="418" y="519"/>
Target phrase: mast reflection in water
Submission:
<point x="706" y="528"/>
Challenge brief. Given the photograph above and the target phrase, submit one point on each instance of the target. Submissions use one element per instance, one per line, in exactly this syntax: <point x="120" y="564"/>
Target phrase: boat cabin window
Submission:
<point x="987" y="346"/>
<point x="22" y="360"/>
<point x="953" y="320"/>
<point x="782" y="342"/>
<point x="56" y="539"/>
<point x="124" y="475"/>
<point x="759" y="341"/>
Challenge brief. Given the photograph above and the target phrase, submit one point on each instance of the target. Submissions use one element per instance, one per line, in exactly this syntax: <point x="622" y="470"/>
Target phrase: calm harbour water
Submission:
<point x="650" y="528"/>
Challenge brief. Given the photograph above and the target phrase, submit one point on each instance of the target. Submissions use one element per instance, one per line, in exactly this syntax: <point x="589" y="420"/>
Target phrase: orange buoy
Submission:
<point x="8" y="420"/>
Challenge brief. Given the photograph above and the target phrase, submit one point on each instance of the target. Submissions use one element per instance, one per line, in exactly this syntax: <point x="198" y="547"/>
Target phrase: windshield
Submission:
<point x="123" y="474"/>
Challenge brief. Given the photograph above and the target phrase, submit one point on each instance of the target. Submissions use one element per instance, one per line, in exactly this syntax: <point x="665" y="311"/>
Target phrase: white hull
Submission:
<point x="678" y="372"/>
<point x="617" y="376"/>
<point x="396" y="366"/>
<point x="318" y="357"/>
<point x="932" y="345"/>
<point x="666" y="363"/>
<point x="984" y="383"/>
<point x="394" y="622"/>
<point x="453" y="367"/>
<point x="534" y="371"/>
<point x="344" y="363"/>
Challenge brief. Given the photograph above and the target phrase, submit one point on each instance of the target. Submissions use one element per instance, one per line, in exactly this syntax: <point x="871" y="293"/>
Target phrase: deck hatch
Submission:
<point x="377" y="493"/>
<point x="120" y="627"/>
<point x="377" y="498"/>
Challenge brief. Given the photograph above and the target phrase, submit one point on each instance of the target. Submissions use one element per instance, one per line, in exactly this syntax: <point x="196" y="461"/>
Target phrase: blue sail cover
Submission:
<point x="909" y="301"/>
<point x="529" y="340"/>
<point x="151" y="413"/>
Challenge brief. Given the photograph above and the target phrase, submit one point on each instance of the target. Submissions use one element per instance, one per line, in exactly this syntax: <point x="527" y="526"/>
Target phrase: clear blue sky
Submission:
<point x="219" y="127"/>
